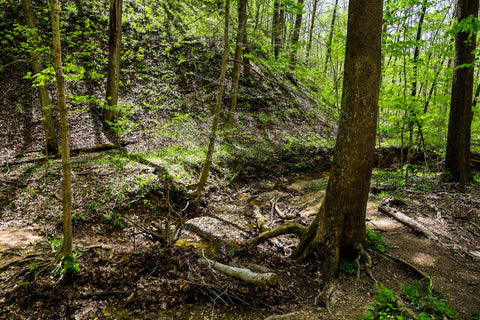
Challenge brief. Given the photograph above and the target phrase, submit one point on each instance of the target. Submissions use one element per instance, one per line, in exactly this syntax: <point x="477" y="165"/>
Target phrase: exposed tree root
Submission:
<point x="412" y="267"/>
<point x="286" y="228"/>
<point x="325" y="297"/>
<point x="26" y="259"/>
<point x="367" y="260"/>
<point x="401" y="217"/>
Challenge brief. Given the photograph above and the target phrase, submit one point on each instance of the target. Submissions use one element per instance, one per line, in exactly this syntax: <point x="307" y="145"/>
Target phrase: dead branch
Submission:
<point x="281" y="214"/>
<point x="247" y="275"/>
<point x="401" y="217"/>
<point x="287" y="228"/>
<point x="73" y="152"/>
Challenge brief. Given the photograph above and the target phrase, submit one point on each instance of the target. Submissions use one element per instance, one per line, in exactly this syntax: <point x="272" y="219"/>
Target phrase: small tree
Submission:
<point x="114" y="45"/>
<point x="241" y="39"/>
<point x="202" y="180"/>
<point x="67" y="244"/>
<point x="51" y="143"/>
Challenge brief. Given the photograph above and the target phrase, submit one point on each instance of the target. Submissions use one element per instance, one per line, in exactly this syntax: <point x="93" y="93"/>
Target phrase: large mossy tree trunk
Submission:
<point x="457" y="158"/>
<point x="51" y="143"/>
<point x="113" y="72"/>
<point x="65" y="147"/>
<point x="339" y="227"/>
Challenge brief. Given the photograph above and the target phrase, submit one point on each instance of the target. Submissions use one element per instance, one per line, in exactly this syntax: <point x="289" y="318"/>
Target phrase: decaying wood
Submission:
<point x="286" y="228"/>
<point x="247" y="275"/>
<point x="401" y="217"/>
<point x="281" y="214"/>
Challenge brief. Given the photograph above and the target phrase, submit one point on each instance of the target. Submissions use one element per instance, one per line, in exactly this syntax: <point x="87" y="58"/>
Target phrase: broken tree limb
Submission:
<point x="286" y="228"/>
<point x="401" y="217"/>
<point x="247" y="275"/>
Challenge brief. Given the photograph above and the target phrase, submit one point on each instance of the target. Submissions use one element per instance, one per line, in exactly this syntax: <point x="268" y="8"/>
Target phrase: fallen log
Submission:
<point x="73" y="152"/>
<point x="268" y="279"/>
<point x="401" y="217"/>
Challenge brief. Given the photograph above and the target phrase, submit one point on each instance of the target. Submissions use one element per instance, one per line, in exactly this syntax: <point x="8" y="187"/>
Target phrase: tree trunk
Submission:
<point x="339" y="227"/>
<point x="62" y="107"/>
<point x="241" y="36"/>
<point x="310" y="33"/>
<point x="412" y="115"/>
<point x="218" y="108"/>
<point x="457" y="158"/>
<point x="277" y="28"/>
<point x="51" y="143"/>
<point x="330" y="36"/>
<point x="296" y="34"/>
<point x="114" y="45"/>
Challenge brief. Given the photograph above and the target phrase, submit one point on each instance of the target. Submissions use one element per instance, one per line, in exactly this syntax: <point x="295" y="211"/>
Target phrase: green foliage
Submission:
<point x="389" y="305"/>
<point x="377" y="240"/>
<point x="56" y="243"/>
<point x="115" y="219"/>
<point x="347" y="266"/>
<point x="476" y="315"/>
<point x="67" y="264"/>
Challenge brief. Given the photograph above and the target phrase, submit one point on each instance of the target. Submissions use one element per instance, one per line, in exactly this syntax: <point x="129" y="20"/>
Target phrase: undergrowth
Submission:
<point x="415" y="303"/>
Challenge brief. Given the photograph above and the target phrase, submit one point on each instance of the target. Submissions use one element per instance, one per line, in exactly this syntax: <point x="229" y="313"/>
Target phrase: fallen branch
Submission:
<point x="286" y="228"/>
<point x="401" y="217"/>
<point x="247" y="275"/>
<point x="73" y="152"/>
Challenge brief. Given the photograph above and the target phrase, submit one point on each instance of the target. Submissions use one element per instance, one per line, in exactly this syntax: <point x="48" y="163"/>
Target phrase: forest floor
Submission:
<point x="124" y="275"/>
<point x="123" y="197"/>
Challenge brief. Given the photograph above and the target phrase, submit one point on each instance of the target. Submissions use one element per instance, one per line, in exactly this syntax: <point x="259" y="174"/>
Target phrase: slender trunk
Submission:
<point x="51" y="143"/>
<point x="62" y="107"/>
<point x="113" y="77"/>
<point x="296" y="35"/>
<point x="411" y="112"/>
<point x="276" y="29"/>
<point x="241" y="35"/>
<point x="330" y="36"/>
<point x="218" y="108"/>
<point x="310" y="32"/>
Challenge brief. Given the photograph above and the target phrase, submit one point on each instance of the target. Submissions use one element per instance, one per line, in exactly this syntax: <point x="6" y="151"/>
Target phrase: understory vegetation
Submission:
<point x="143" y="239"/>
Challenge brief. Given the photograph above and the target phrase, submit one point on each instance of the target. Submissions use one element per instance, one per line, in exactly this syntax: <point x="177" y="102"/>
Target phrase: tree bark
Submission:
<point x="51" y="143"/>
<point x="412" y="114"/>
<point x="339" y="227"/>
<point x="113" y="72"/>
<point x="310" y="32"/>
<point x="457" y="158"/>
<point x="241" y="36"/>
<point x="62" y="107"/>
<point x="296" y="34"/>
<point x="330" y="36"/>
<point x="277" y="28"/>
